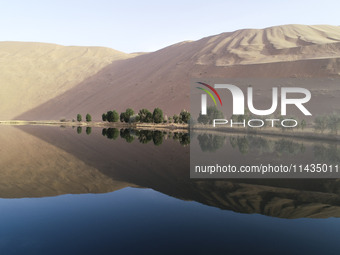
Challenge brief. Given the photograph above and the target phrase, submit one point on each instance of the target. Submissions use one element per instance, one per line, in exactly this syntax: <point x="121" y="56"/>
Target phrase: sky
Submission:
<point x="143" y="26"/>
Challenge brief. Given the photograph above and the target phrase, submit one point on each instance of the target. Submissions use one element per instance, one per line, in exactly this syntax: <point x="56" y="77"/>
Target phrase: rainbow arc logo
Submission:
<point x="209" y="93"/>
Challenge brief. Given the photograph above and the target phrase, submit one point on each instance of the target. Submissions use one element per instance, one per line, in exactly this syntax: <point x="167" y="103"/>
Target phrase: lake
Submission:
<point x="67" y="190"/>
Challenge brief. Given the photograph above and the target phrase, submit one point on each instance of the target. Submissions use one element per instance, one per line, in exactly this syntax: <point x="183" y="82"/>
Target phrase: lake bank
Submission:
<point x="307" y="133"/>
<point x="174" y="127"/>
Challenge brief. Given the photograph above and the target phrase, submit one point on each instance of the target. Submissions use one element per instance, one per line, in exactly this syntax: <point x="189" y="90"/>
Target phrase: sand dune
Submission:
<point x="273" y="44"/>
<point x="33" y="73"/>
<point x="162" y="78"/>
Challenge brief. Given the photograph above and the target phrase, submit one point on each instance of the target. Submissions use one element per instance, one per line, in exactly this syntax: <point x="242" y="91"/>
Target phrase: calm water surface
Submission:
<point x="94" y="191"/>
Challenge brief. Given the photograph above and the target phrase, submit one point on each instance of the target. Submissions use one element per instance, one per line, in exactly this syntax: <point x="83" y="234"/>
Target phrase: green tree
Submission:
<point x="88" y="118"/>
<point x="79" y="118"/>
<point x="88" y="130"/>
<point x="134" y="118"/>
<point x="157" y="115"/>
<point x="184" y="116"/>
<point x="175" y="118"/>
<point x="115" y="116"/>
<point x="204" y="119"/>
<point x="122" y="117"/>
<point x="109" y="116"/>
<point x="212" y="113"/>
<point x="320" y="123"/>
<point x="333" y="123"/>
<point x="126" y="115"/>
<point x="104" y="117"/>
<point x="79" y="130"/>
<point x="137" y="118"/>
<point x="112" y="116"/>
<point x="145" y="116"/>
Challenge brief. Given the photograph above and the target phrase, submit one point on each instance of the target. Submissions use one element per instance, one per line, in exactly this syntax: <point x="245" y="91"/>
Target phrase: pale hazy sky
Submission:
<point x="144" y="25"/>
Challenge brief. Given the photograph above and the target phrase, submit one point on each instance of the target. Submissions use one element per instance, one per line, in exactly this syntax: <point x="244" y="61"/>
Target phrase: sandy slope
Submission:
<point x="33" y="73"/>
<point x="273" y="44"/>
<point x="162" y="78"/>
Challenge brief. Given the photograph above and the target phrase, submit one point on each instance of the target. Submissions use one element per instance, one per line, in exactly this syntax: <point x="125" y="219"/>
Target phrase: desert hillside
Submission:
<point x="33" y="73"/>
<point x="162" y="78"/>
<point x="273" y="44"/>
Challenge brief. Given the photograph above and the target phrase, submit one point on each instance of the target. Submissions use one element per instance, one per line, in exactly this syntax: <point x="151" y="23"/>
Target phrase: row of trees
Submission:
<point x="80" y="118"/>
<point x="214" y="113"/>
<point x="330" y="122"/>
<point x="145" y="116"/>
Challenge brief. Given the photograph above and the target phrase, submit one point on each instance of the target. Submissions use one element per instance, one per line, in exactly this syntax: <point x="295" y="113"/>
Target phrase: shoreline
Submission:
<point x="308" y="133"/>
<point x="146" y="126"/>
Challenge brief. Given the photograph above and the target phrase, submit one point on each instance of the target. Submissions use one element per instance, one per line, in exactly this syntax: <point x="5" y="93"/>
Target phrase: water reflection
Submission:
<point x="48" y="159"/>
<point x="210" y="142"/>
<point x="146" y="136"/>
<point x="88" y="130"/>
<point x="261" y="145"/>
<point x="328" y="152"/>
<point x="323" y="151"/>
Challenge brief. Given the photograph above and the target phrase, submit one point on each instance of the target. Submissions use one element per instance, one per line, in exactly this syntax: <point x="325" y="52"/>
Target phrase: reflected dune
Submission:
<point x="92" y="163"/>
<point x="31" y="167"/>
